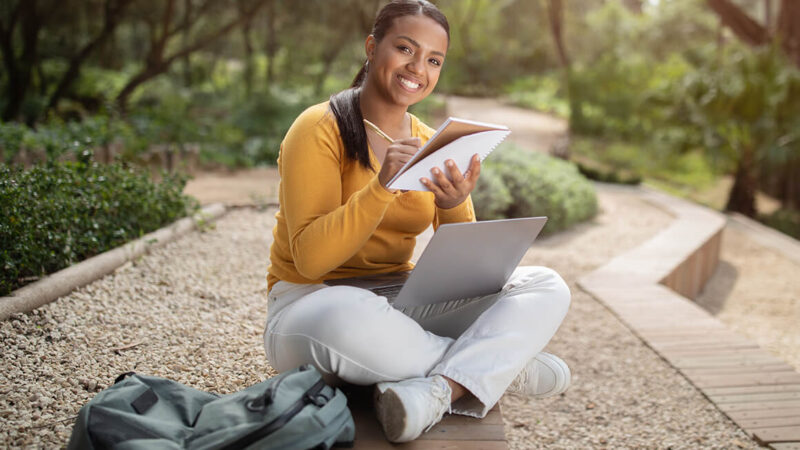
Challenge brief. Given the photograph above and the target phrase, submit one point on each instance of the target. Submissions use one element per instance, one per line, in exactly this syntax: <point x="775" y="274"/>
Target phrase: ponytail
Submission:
<point x="346" y="107"/>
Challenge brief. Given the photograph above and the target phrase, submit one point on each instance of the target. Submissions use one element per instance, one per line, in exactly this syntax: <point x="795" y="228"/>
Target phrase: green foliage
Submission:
<point x="745" y="103"/>
<point x="786" y="220"/>
<point x="542" y="93"/>
<point x="517" y="183"/>
<point x="60" y="213"/>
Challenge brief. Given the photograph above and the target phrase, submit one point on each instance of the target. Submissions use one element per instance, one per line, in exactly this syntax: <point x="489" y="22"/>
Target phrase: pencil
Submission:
<point x="378" y="130"/>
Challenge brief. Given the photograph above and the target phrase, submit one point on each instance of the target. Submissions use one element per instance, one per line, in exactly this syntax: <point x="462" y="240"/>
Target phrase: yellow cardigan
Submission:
<point x="335" y="219"/>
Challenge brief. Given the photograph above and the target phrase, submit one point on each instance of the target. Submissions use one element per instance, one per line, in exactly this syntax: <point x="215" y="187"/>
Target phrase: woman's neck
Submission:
<point x="391" y="118"/>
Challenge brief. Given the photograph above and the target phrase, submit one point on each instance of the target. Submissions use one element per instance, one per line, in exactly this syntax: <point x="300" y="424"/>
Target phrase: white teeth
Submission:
<point x="409" y="84"/>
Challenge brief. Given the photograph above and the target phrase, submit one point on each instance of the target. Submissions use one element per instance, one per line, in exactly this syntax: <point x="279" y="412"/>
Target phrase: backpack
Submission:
<point x="294" y="410"/>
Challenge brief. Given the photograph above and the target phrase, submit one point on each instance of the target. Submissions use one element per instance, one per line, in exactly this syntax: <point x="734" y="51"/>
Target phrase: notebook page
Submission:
<point x="459" y="150"/>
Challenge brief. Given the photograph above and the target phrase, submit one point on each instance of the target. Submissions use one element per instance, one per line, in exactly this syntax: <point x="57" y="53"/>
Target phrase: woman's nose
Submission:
<point x="415" y="65"/>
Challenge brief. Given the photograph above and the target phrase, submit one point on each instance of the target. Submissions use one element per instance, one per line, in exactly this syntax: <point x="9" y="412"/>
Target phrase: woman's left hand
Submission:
<point x="450" y="194"/>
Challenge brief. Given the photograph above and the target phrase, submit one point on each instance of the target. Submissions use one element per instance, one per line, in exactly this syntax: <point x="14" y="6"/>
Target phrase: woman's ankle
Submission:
<point x="456" y="390"/>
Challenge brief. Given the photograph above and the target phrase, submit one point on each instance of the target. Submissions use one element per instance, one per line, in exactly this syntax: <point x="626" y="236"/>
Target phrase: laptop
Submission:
<point x="462" y="260"/>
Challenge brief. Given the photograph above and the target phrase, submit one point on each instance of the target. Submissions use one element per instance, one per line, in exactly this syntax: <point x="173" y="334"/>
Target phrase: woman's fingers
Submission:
<point x="397" y="155"/>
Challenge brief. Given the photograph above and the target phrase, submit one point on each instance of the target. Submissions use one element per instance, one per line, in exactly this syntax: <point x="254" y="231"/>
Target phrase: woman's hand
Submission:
<point x="450" y="194"/>
<point x="397" y="155"/>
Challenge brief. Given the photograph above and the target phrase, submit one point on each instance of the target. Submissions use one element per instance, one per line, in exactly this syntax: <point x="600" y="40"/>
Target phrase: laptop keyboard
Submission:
<point x="390" y="292"/>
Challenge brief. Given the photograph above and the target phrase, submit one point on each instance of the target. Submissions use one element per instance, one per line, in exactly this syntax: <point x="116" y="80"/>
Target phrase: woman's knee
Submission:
<point x="543" y="280"/>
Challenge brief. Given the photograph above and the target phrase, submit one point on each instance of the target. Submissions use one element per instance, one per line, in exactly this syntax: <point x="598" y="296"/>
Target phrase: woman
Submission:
<point x="337" y="219"/>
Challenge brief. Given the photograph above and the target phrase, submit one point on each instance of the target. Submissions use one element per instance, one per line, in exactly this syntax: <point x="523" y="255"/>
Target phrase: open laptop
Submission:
<point x="462" y="260"/>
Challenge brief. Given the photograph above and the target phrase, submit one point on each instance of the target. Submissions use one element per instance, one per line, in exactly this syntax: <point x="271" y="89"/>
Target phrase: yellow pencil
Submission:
<point x="378" y="130"/>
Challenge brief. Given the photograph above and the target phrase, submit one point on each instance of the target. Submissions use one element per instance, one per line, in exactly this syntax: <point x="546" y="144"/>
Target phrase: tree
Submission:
<point x="19" y="67"/>
<point x="113" y="13"/>
<point x="787" y="32"/>
<point x="163" y="35"/>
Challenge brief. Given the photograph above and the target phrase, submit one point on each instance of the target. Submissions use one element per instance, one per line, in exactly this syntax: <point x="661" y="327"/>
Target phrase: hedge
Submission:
<point x="520" y="183"/>
<point x="60" y="213"/>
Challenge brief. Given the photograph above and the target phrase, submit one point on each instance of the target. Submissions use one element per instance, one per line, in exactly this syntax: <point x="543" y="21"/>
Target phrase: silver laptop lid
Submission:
<point x="469" y="259"/>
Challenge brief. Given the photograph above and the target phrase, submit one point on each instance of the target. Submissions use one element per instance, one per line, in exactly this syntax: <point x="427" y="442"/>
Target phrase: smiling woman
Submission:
<point x="337" y="219"/>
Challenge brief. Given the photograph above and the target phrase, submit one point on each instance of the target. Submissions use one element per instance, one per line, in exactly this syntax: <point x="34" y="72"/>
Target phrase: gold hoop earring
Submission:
<point x="366" y="67"/>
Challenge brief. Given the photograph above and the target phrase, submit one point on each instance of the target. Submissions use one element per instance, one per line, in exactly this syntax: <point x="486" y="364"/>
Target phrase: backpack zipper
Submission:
<point x="269" y="428"/>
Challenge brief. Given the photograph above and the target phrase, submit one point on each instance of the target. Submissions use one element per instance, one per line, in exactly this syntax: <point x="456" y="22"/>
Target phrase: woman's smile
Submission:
<point x="409" y="83"/>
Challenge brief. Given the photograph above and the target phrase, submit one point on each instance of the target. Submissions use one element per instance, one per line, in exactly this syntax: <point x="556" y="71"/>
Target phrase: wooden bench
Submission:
<point x="454" y="432"/>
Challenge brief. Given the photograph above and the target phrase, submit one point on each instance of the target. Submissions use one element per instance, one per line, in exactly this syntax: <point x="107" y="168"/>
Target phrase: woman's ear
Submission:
<point x="369" y="46"/>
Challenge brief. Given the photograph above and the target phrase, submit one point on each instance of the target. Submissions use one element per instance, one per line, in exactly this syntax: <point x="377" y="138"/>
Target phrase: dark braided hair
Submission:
<point x="345" y="105"/>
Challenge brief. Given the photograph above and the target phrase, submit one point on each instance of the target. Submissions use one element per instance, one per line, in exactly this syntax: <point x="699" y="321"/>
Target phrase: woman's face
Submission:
<point x="405" y="64"/>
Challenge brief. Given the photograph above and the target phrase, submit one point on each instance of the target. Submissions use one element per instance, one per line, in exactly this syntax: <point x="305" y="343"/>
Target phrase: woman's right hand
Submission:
<point x="397" y="155"/>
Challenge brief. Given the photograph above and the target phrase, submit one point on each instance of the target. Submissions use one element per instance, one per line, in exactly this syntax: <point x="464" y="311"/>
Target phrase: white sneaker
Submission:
<point x="544" y="376"/>
<point x="410" y="407"/>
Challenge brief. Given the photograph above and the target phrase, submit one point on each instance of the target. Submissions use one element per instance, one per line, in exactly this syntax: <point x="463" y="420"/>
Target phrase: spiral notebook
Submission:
<point x="456" y="139"/>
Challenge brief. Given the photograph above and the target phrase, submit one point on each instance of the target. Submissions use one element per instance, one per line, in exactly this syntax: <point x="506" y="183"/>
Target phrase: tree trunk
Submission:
<point x="788" y="29"/>
<point x="112" y="17"/>
<point x="19" y="77"/>
<point x="248" y="52"/>
<point x="742" y="198"/>
<point x="739" y="22"/>
<point x="271" y="48"/>
<point x="187" y="21"/>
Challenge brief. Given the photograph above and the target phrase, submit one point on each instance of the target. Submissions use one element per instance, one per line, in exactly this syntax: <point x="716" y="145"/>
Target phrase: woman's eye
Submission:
<point x="435" y="62"/>
<point x="404" y="49"/>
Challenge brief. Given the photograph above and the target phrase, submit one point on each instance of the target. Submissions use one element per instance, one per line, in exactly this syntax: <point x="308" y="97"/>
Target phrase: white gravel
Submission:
<point x="194" y="310"/>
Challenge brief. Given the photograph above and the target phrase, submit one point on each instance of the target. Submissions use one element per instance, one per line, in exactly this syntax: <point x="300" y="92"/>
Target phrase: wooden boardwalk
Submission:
<point x="759" y="392"/>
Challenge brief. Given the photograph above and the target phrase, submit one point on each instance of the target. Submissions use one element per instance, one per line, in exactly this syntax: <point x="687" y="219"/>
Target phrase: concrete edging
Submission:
<point x="53" y="286"/>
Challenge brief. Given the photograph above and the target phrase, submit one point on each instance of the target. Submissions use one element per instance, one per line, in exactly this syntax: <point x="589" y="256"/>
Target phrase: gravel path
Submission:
<point x="194" y="310"/>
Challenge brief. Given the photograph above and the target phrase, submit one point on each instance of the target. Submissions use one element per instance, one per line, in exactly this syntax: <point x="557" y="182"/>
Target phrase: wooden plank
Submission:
<point x="465" y="431"/>
<point x="777" y="434"/>
<point x="754" y="406"/>
<point x="718" y="353"/>
<point x="763" y="413"/>
<point x="771" y="422"/>
<point x="785" y="445"/>
<point x="752" y="389"/>
<point x="430" y="445"/>
<point x="723" y="361"/>
<point x="743" y="398"/>
<point x="745" y="379"/>
<point x="733" y="370"/>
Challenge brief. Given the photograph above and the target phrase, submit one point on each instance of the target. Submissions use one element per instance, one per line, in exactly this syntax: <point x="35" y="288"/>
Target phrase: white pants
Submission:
<point x="355" y="336"/>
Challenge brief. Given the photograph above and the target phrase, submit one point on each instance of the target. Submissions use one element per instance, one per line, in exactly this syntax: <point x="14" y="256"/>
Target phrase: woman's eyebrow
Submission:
<point x="416" y="44"/>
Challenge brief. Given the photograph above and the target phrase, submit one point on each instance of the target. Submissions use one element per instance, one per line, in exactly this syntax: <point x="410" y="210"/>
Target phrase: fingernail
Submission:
<point x="449" y="163"/>
<point x="436" y="171"/>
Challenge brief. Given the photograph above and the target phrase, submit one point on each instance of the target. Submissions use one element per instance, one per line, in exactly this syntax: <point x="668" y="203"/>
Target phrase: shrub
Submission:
<point x="518" y="183"/>
<point x="785" y="220"/>
<point x="60" y="213"/>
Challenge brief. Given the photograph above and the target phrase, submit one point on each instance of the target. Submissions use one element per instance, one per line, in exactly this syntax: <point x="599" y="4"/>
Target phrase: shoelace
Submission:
<point x="521" y="380"/>
<point x="443" y="397"/>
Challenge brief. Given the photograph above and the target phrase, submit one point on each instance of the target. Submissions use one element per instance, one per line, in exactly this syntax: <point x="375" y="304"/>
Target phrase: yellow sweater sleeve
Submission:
<point x="323" y="231"/>
<point x="465" y="212"/>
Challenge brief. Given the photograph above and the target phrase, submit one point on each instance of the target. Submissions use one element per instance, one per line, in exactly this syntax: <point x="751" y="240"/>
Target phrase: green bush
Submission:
<point x="518" y="183"/>
<point x="63" y="212"/>
<point x="785" y="220"/>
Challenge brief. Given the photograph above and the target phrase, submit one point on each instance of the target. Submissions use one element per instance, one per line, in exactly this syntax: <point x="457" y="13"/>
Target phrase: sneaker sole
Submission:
<point x="391" y="414"/>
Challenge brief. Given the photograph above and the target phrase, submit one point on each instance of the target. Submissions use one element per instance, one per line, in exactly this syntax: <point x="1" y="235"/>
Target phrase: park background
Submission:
<point x="108" y="107"/>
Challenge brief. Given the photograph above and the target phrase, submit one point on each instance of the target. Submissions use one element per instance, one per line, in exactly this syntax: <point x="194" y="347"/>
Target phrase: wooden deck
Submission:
<point x="452" y="433"/>
<point x="759" y="392"/>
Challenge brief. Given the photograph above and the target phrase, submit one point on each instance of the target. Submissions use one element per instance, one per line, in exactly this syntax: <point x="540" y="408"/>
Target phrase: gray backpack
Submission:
<point x="294" y="410"/>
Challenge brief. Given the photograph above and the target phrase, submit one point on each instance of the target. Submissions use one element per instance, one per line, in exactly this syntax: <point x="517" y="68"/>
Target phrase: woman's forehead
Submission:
<point x="424" y="31"/>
